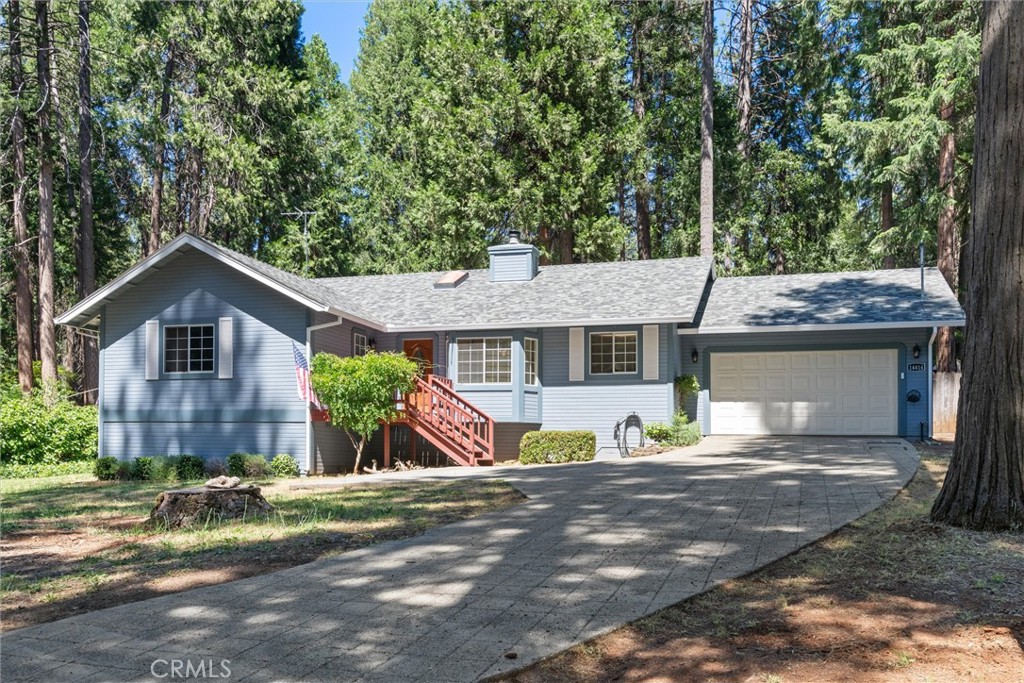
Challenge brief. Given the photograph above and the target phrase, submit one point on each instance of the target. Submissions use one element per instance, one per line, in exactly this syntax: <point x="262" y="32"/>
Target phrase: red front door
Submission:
<point x="421" y="351"/>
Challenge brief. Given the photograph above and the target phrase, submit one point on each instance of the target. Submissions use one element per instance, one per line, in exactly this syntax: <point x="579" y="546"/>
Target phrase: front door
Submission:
<point x="421" y="351"/>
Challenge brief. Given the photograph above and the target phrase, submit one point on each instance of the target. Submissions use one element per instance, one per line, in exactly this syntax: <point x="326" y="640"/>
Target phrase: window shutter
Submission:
<point x="650" y="352"/>
<point x="152" y="349"/>
<point x="576" y="354"/>
<point x="226" y="347"/>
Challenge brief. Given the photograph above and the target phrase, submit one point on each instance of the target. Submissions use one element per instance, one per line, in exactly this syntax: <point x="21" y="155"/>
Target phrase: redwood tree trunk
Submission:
<point x="22" y="279"/>
<point x="152" y="242"/>
<point x="86" y="247"/>
<point x="984" y="487"/>
<point x="949" y="240"/>
<point x="707" y="165"/>
<point x="47" y="330"/>
<point x="743" y="97"/>
<point x="640" y="194"/>
<point x="888" y="261"/>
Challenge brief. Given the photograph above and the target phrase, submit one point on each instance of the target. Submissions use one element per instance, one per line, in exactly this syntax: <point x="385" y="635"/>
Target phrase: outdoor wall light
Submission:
<point x="693" y="356"/>
<point x="917" y="351"/>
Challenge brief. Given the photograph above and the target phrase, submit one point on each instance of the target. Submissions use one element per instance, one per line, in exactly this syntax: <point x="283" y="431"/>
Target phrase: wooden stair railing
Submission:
<point x="435" y="411"/>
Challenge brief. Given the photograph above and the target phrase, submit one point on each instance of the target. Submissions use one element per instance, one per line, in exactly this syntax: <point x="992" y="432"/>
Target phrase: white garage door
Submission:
<point x="804" y="392"/>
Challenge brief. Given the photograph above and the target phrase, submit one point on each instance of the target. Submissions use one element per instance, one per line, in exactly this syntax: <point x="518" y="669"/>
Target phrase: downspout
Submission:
<point x="310" y="458"/>
<point x="931" y="375"/>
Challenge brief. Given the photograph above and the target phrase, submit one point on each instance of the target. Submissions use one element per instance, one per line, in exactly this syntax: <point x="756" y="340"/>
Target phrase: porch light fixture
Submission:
<point x="693" y="356"/>
<point x="917" y="351"/>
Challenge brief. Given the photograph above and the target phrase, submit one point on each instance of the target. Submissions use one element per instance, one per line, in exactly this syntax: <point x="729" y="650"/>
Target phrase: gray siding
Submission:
<point x="911" y="415"/>
<point x="602" y="400"/>
<point x="258" y="410"/>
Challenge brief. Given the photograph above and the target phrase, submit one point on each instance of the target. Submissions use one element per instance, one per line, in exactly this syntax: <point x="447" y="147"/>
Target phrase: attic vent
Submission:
<point x="451" y="279"/>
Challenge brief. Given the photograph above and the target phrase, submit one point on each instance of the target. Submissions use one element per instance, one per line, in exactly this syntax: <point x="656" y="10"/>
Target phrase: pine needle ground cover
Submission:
<point x="891" y="597"/>
<point x="73" y="544"/>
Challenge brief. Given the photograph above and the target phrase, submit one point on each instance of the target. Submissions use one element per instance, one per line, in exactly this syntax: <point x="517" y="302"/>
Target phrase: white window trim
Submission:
<point x="459" y="380"/>
<point x="636" y="353"/>
<point x="355" y="345"/>
<point x="536" y="362"/>
<point x="163" y="350"/>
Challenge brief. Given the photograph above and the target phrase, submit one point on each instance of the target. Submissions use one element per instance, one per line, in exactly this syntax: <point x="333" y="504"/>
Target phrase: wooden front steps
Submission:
<point x="436" y="412"/>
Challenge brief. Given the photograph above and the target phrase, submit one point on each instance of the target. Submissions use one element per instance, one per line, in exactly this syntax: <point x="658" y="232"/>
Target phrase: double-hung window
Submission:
<point x="613" y="353"/>
<point x="188" y="348"/>
<point x="484" y="361"/>
<point x="360" y="344"/>
<point x="530" y="361"/>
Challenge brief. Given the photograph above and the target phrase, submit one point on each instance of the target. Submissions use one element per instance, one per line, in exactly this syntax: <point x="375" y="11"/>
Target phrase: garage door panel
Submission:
<point x="804" y="392"/>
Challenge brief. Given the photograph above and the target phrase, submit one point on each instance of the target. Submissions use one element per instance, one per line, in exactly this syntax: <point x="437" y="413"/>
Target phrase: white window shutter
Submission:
<point x="650" y="352"/>
<point x="226" y="349"/>
<point x="576" y="354"/>
<point x="152" y="349"/>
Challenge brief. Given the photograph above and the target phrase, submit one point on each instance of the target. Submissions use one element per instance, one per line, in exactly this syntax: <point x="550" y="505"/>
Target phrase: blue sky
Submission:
<point x="338" y="22"/>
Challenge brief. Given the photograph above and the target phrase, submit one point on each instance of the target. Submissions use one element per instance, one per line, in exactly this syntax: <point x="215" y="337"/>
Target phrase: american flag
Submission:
<point x="306" y="392"/>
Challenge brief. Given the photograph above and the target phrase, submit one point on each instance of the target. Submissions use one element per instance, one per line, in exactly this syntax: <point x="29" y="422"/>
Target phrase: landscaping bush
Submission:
<point x="215" y="468"/>
<point x="284" y="465"/>
<point x="105" y="469"/>
<point x="32" y="431"/>
<point x="141" y="469"/>
<point x="248" y="465"/>
<point x="681" y="432"/>
<point x="189" y="467"/>
<point x="555" y="446"/>
<point x="164" y="468"/>
<point x="56" y="469"/>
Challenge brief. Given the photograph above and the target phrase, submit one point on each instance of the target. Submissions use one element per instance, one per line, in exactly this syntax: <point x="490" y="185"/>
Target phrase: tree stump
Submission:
<point x="186" y="507"/>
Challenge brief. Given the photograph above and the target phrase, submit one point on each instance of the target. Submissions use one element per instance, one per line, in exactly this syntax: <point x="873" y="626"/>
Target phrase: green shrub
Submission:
<point x="105" y="469"/>
<point x="555" y="446"/>
<point x="248" y="465"/>
<point x="236" y="464"/>
<point x="141" y="469"/>
<point x="681" y="432"/>
<point x="284" y="465"/>
<point x="56" y="469"/>
<point x="215" y="467"/>
<point x="658" y="431"/>
<point x="189" y="467"/>
<point x="34" y="432"/>
<point x="164" y="468"/>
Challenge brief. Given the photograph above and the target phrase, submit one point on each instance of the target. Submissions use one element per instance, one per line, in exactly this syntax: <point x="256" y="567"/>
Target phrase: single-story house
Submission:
<point x="197" y="351"/>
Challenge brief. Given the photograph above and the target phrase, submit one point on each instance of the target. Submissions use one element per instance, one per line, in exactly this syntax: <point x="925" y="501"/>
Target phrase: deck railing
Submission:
<point x="463" y="427"/>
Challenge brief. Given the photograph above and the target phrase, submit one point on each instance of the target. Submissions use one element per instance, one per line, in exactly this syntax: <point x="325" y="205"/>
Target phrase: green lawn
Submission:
<point x="72" y="544"/>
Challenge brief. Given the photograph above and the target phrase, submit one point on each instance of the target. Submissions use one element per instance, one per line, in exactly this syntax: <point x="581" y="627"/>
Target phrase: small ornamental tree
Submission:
<point x="359" y="391"/>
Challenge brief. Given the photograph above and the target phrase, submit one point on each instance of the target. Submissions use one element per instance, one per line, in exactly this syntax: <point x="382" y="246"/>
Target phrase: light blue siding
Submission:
<point x="602" y="400"/>
<point x="513" y="262"/>
<point x="257" y="410"/>
<point x="911" y="415"/>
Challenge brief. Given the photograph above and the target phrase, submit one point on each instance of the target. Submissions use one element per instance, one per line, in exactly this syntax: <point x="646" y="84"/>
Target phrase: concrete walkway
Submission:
<point x="596" y="546"/>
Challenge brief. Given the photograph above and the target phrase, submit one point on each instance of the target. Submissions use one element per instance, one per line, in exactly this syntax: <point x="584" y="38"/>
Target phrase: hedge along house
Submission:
<point x="196" y="352"/>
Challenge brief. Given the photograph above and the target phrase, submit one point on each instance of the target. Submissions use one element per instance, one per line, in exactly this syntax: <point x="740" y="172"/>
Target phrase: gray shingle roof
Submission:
<point x="868" y="297"/>
<point x="667" y="290"/>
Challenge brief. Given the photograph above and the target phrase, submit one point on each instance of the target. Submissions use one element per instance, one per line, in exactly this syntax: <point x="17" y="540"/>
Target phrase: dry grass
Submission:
<point x="72" y="545"/>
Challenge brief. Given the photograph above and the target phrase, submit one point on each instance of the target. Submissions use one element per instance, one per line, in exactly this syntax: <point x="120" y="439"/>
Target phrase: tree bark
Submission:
<point x="152" y="242"/>
<point x="22" y="279"/>
<point x="47" y="330"/>
<point x="888" y="261"/>
<point x="86" y="246"/>
<point x="707" y="165"/>
<point x="949" y="239"/>
<point x="640" y="193"/>
<point x="984" y="487"/>
<point x="743" y="97"/>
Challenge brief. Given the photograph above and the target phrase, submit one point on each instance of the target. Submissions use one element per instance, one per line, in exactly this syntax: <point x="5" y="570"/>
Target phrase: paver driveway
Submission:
<point x="597" y="545"/>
